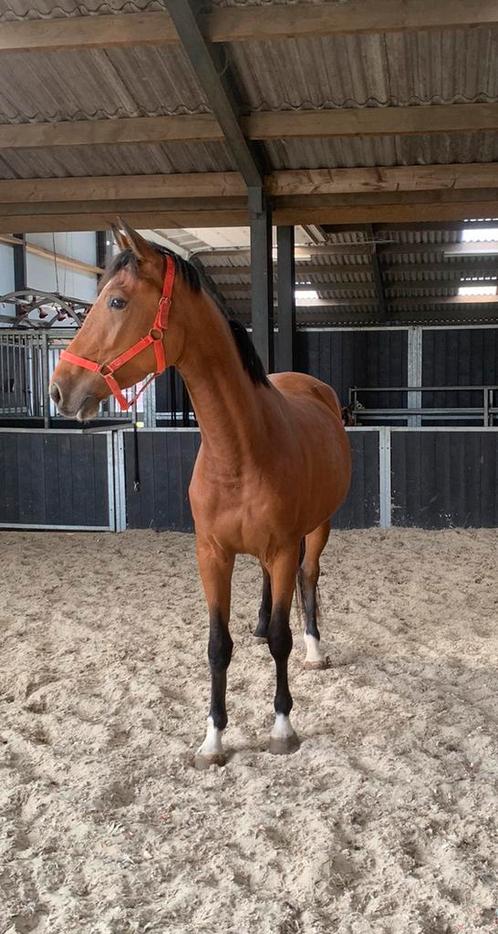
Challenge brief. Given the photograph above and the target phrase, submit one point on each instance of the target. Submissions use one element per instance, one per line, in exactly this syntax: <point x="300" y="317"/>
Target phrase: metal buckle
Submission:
<point x="153" y="332"/>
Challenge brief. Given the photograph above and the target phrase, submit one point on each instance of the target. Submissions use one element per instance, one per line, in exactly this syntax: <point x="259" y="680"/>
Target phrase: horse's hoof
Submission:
<point x="282" y="746"/>
<point x="320" y="665"/>
<point x="203" y="761"/>
<point x="261" y="640"/>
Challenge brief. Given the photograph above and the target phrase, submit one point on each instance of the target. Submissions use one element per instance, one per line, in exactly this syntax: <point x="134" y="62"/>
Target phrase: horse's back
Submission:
<point x="301" y="384"/>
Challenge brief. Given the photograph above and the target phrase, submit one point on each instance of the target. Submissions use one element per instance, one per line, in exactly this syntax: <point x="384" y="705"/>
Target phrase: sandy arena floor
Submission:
<point x="384" y="821"/>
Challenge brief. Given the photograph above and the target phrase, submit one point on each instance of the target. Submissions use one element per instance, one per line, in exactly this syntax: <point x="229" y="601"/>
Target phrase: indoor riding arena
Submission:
<point x="194" y="195"/>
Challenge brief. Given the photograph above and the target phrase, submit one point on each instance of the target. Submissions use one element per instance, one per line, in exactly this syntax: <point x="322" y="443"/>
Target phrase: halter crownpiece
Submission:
<point x="155" y="337"/>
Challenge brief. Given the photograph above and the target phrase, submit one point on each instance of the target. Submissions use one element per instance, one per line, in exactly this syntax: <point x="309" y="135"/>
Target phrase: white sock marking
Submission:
<point x="212" y="745"/>
<point x="313" y="650"/>
<point x="282" y="728"/>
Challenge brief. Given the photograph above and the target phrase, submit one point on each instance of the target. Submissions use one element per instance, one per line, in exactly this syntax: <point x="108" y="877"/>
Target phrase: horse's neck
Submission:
<point x="226" y="402"/>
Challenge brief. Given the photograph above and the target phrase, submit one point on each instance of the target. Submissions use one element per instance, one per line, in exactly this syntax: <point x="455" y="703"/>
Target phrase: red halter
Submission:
<point x="154" y="337"/>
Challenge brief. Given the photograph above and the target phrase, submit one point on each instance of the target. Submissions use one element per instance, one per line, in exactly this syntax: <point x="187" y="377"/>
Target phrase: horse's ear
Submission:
<point x="119" y="238"/>
<point x="134" y="241"/>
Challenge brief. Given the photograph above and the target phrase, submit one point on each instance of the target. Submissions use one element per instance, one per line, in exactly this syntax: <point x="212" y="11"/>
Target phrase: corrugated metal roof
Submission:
<point x="358" y="151"/>
<point x="94" y="84"/>
<point x="130" y="159"/>
<point x="356" y="71"/>
<point x="377" y="69"/>
<point x="11" y="10"/>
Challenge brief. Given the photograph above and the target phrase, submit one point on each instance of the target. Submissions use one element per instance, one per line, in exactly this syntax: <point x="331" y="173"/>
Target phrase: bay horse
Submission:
<point x="273" y="466"/>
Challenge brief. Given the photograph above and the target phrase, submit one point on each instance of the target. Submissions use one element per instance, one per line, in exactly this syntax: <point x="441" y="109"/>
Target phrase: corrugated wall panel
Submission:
<point x="361" y="509"/>
<point x="445" y="479"/>
<point x="367" y="358"/>
<point x="54" y="479"/>
<point x="458" y="357"/>
<point x="166" y="460"/>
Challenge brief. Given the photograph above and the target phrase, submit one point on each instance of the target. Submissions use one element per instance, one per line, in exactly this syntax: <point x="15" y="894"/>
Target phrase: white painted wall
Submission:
<point x="44" y="273"/>
<point x="6" y="277"/>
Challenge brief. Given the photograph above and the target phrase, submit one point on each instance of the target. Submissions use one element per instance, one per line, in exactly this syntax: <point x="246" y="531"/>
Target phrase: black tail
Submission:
<point x="302" y="596"/>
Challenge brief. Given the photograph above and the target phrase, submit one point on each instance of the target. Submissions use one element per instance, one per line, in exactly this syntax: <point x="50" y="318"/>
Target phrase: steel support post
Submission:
<point x="385" y="502"/>
<point x="261" y="276"/>
<point x="414" y="374"/>
<point x="45" y="372"/>
<point x="286" y="299"/>
<point x="20" y="268"/>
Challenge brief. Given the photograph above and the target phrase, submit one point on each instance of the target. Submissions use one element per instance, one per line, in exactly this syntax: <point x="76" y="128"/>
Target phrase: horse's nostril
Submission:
<point x="55" y="393"/>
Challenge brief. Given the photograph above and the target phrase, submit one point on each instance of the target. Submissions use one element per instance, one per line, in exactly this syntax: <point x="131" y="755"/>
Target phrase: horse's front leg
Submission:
<point x="216" y="568"/>
<point x="283" y="572"/>
<point x="261" y="631"/>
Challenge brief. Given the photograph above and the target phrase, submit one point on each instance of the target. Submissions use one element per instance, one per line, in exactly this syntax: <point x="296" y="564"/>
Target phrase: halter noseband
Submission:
<point x="155" y="337"/>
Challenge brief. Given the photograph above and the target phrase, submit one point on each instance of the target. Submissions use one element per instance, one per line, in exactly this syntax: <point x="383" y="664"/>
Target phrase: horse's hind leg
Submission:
<point x="283" y="578"/>
<point x="309" y="573"/>
<point x="261" y="631"/>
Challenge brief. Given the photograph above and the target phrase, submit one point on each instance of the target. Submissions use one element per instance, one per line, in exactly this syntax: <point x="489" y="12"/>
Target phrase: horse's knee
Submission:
<point x="279" y="635"/>
<point x="220" y="645"/>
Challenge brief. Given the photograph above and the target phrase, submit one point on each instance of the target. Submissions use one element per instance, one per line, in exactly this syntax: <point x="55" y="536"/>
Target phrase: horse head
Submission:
<point x="121" y="340"/>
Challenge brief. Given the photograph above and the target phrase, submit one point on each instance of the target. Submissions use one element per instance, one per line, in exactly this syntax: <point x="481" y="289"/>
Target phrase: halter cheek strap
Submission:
<point x="154" y="337"/>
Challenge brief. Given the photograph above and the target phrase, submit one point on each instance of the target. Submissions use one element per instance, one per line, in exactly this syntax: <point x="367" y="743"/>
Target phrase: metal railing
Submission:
<point x="173" y="403"/>
<point x="485" y="413"/>
<point x="27" y="360"/>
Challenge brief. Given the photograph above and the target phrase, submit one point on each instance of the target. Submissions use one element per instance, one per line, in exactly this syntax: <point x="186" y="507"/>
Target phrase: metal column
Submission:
<point x="414" y="374"/>
<point x="20" y="267"/>
<point x="261" y="276"/>
<point x="286" y="279"/>
<point x="104" y="243"/>
<point x="385" y="501"/>
<point x="149" y="403"/>
<point x="119" y="481"/>
<point x="45" y="374"/>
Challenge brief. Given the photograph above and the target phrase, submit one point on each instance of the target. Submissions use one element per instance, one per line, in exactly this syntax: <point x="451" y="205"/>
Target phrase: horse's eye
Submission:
<point x="116" y="303"/>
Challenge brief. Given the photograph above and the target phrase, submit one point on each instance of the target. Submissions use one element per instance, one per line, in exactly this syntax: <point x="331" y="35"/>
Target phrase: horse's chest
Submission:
<point x="242" y="518"/>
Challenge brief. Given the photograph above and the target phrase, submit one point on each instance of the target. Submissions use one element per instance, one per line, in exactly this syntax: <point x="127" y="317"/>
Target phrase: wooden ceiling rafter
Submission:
<point x="243" y="25"/>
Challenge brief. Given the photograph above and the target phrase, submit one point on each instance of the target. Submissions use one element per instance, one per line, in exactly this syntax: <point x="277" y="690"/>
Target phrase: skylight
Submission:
<point x="477" y="289"/>
<point x="479" y="234"/>
<point x="306" y="295"/>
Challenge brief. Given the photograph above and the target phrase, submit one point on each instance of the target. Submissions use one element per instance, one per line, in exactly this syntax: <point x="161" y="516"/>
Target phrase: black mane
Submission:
<point x="193" y="277"/>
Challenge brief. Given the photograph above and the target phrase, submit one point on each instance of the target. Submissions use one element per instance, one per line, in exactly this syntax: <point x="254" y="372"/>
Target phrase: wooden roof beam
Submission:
<point x="186" y="127"/>
<point x="372" y="121"/>
<point x="359" y="121"/>
<point x="24" y="216"/>
<point x="291" y="183"/>
<point x="238" y="24"/>
<point x="245" y="24"/>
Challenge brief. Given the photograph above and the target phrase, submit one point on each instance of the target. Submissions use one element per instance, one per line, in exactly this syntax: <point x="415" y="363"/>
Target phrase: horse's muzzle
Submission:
<point x="73" y="404"/>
